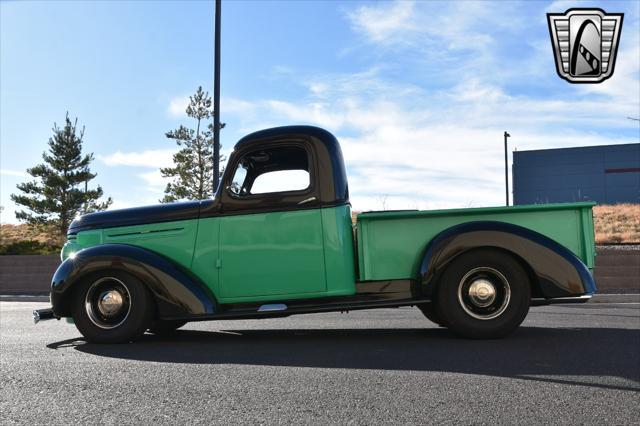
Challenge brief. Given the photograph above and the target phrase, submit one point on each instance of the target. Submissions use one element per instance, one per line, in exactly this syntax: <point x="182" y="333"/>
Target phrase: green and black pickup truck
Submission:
<point x="278" y="240"/>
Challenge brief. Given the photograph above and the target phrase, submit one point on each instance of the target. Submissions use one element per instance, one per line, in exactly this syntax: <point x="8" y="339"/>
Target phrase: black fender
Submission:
<point x="555" y="271"/>
<point x="177" y="292"/>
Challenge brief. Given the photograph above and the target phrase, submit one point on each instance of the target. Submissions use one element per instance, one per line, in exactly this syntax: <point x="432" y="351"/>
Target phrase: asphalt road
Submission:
<point x="567" y="364"/>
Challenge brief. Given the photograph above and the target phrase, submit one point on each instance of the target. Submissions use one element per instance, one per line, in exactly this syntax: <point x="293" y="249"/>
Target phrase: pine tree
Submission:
<point x="192" y="174"/>
<point x="59" y="190"/>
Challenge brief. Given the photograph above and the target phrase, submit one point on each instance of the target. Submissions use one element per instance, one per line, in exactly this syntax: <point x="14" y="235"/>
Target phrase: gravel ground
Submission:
<point x="567" y="364"/>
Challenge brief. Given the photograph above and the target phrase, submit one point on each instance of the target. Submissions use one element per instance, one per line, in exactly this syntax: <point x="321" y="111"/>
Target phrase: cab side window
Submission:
<point x="271" y="170"/>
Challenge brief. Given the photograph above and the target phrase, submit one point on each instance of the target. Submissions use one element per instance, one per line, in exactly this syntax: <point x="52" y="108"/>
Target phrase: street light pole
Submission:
<point x="506" y="167"/>
<point x="216" y="100"/>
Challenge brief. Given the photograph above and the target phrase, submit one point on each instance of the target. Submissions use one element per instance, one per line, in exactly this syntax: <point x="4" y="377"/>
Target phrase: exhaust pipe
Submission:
<point x="43" y="315"/>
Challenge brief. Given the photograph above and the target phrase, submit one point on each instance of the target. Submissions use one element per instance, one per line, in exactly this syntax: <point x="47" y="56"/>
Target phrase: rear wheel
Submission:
<point x="112" y="307"/>
<point x="484" y="294"/>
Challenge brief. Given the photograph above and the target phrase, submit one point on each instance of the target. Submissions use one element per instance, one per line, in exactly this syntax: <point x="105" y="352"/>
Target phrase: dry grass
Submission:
<point x="10" y="234"/>
<point x="618" y="223"/>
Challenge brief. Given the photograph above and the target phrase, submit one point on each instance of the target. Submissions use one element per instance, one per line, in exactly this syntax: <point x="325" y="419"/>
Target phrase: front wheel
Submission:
<point x="112" y="307"/>
<point x="484" y="294"/>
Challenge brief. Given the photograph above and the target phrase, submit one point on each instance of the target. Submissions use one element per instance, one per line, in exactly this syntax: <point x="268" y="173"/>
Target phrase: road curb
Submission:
<point x="616" y="298"/>
<point x="22" y="298"/>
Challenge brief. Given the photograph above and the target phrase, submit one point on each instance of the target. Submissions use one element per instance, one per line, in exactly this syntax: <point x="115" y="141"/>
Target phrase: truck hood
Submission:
<point x="137" y="216"/>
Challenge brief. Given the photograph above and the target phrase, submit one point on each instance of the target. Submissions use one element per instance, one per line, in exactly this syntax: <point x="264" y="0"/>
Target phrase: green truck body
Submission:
<point x="390" y="244"/>
<point x="247" y="254"/>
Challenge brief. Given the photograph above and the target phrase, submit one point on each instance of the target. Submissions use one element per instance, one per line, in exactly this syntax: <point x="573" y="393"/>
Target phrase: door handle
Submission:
<point x="307" y="200"/>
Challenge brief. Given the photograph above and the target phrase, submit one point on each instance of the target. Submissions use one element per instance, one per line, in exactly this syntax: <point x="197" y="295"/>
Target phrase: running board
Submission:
<point x="369" y="295"/>
<point x="538" y="301"/>
<point x="281" y="310"/>
<point x="272" y="307"/>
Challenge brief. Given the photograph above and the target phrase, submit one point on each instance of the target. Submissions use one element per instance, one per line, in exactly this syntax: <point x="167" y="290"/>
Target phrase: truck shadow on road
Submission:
<point x="586" y="355"/>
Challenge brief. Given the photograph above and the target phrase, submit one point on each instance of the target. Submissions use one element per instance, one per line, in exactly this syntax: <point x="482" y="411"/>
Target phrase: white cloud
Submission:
<point x="149" y="159"/>
<point x="439" y="27"/>
<point x="418" y="149"/>
<point x="140" y="200"/>
<point x="236" y="106"/>
<point x="118" y="204"/>
<point x="421" y="125"/>
<point x="317" y="113"/>
<point x="178" y="105"/>
<point x="560" y="6"/>
<point x="318" y="89"/>
<point x="17" y="173"/>
<point x="624" y="86"/>
<point x="152" y="158"/>
<point x="384" y="23"/>
<point x="154" y="180"/>
<point x="433" y="139"/>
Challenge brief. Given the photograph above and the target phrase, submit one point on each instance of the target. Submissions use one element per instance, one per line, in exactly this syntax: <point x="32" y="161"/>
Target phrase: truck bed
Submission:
<point x="391" y="243"/>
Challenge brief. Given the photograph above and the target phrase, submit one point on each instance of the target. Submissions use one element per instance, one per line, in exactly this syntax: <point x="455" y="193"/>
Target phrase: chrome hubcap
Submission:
<point x="484" y="293"/>
<point x="108" y="302"/>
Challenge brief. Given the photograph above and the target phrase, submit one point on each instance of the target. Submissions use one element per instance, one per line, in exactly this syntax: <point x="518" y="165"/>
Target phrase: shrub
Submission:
<point x="28" y="247"/>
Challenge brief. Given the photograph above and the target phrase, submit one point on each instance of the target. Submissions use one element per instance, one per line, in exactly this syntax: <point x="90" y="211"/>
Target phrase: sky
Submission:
<point x="418" y="93"/>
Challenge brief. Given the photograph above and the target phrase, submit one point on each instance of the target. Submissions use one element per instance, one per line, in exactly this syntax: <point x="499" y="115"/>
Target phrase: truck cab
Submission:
<point x="284" y="219"/>
<point x="277" y="239"/>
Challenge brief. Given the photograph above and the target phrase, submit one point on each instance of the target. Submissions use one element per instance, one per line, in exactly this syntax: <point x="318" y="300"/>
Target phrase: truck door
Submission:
<point x="271" y="240"/>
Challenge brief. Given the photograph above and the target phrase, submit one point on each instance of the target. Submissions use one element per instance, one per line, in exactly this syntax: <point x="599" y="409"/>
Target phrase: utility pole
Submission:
<point x="506" y="167"/>
<point x="216" y="99"/>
